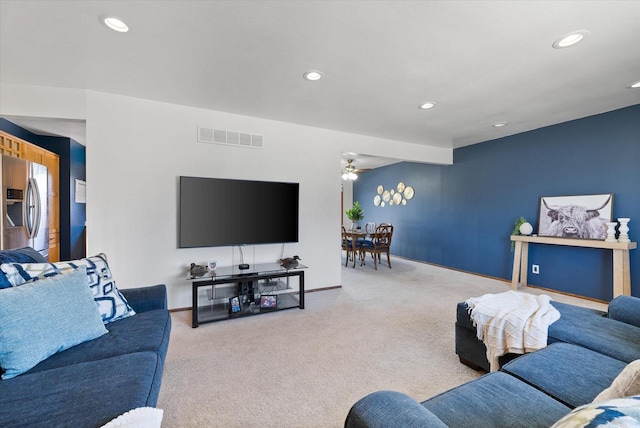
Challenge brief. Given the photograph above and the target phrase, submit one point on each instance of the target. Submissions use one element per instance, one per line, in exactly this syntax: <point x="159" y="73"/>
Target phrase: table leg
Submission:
<point x="621" y="273"/>
<point x="524" y="264"/>
<point x="194" y="307"/>
<point x="353" y="249"/>
<point x="517" y="263"/>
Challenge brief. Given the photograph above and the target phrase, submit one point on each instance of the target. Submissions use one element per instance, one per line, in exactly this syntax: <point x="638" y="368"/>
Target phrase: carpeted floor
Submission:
<point x="385" y="329"/>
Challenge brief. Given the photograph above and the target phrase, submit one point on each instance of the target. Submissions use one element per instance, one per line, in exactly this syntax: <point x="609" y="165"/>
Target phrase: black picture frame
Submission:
<point x="576" y="217"/>
<point x="268" y="301"/>
<point x="234" y="304"/>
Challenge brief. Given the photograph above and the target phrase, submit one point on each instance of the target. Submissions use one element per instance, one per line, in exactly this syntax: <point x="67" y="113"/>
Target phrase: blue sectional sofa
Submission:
<point x="587" y="350"/>
<point x="92" y="383"/>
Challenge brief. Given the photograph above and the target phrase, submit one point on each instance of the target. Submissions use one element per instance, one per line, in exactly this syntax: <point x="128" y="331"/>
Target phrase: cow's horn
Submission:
<point x="603" y="205"/>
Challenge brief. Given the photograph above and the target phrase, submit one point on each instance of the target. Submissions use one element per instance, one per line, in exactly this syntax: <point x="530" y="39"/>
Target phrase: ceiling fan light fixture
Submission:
<point x="349" y="173"/>
<point x="634" y="85"/>
<point x="115" y="23"/>
<point x="570" y="39"/>
<point x="427" y="105"/>
<point x="312" y="75"/>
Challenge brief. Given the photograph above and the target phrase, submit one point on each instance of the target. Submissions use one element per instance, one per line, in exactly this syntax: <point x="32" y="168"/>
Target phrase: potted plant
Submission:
<point x="355" y="214"/>
<point x="521" y="227"/>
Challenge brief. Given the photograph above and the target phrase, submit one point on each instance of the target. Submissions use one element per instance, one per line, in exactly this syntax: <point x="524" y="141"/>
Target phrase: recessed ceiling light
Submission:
<point x="427" y="105"/>
<point x="313" y="75"/>
<point x="570" y="39"/>
<point x="500" y="124"/>
<point x="634" y="85"/>
<point x="115" y="23"/>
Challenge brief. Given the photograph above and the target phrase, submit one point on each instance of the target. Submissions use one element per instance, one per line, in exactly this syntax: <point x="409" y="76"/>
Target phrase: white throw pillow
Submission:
<point x="142" y="417"/>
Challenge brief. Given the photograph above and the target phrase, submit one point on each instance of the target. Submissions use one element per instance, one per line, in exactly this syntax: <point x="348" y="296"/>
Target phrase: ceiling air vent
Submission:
<point x="229" y="138"/>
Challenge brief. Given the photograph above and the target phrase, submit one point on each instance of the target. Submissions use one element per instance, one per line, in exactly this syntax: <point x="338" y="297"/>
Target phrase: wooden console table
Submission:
<point x="621" y="272"/>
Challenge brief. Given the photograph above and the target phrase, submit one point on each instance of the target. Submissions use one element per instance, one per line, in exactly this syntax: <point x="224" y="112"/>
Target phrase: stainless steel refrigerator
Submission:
<point x="24" y="205"/>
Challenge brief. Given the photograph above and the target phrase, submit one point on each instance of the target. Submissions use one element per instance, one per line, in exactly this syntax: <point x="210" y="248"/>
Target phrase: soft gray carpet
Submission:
<point x="385" y="329"/>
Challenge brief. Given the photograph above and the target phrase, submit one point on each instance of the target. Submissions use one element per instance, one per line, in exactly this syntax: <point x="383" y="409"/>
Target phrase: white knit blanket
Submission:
<point x="511" y="322"/>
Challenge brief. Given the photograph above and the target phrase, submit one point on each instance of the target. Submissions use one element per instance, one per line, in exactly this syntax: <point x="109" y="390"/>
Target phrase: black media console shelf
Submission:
<point x="261" y="288"/>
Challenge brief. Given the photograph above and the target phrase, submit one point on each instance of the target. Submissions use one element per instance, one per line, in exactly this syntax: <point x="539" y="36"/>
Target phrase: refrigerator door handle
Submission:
<point x="32" y="209"/>
<point x="37" y="214"/>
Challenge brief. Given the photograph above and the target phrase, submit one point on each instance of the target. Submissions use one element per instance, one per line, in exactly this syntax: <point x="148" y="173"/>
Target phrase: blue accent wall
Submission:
<point x="462" y="215"/>
<point x="72" y="166"/>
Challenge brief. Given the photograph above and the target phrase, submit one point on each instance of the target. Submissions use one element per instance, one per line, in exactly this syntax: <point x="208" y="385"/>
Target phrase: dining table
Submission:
<point x="354" y="235"/>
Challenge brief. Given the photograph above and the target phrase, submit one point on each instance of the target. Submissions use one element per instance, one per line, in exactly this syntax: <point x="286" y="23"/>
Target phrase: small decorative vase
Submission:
<point x="611" y="232"/>
<point x="623" y="229"/>
<point x="526" y="229"/>
<point x="355" y="226"/>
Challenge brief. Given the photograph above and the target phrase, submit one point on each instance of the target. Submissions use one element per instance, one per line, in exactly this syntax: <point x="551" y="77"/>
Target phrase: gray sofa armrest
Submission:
<point x="143" y="299"/>
<point x="625" y="309"/>
<point x="383" y="409"/>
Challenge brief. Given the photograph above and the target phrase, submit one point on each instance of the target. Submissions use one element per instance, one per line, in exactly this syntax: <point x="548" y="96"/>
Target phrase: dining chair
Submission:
<point x="370" y="227"/>
<point x="380" y="244"/>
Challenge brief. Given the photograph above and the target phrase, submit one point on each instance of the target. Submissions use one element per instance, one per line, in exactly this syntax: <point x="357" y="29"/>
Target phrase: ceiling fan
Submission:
<point x="350" y="172"/>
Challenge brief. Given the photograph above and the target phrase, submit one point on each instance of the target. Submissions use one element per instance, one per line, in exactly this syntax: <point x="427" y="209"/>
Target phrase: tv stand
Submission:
<point x="259" y="289"/>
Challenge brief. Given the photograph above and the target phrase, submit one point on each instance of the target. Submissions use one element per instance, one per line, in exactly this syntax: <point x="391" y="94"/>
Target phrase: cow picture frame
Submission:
<point x="577" y="217"/>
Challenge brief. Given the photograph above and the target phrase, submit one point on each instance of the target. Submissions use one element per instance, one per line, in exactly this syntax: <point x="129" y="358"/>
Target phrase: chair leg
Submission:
<point x="375" y="262"/>
<point x="388" y="259"/>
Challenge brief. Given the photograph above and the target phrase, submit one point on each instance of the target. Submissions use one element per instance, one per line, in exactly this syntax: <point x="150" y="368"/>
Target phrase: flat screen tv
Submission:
<point x="216" y="212"/>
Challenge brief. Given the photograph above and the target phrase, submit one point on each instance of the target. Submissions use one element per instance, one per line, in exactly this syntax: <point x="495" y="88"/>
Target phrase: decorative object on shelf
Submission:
<point x="234" y="303"/>
<point x="519" y="222"/>
<point x="349" y="172"/>
<point x="212" y="265"/>
<point x="581" y="217"/>
<point x="516" y="228"/>
<point x="526" y="228"/>
<point x="611" y="231"/>
<point x="355" y="214"/>
<point x="197" y="270"/>
<point x="289" y="262"/>
<point x="624" y="229"/>
<point x="269" y="301"/>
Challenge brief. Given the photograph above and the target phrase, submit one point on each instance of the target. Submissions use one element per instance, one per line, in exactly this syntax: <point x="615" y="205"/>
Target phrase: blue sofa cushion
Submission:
<point x="620" y="412"/>
<point x="42" y="318"/>
<point x="146" y="331"/>
<point x="601" y="334"/>
<point x="113" y="306"/>
<point x="384" y="409"/>
<point x="496" y="400"/>
<point x="21" y="255"/>
<point x="571" y="374"/>
<point x="83" y="395"/>
<point x="625" y="309"/>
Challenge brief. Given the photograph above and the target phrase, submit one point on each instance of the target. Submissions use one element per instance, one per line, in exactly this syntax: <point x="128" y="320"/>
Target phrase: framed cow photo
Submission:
<point x="579" y="217"/>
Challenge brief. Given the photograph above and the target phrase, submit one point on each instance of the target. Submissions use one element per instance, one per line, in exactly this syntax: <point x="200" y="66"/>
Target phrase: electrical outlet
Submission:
<point x="535" y="269"/>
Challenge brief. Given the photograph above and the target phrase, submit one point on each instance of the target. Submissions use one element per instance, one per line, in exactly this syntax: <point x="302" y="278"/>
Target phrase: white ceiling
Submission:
<point x="480" y="61"/>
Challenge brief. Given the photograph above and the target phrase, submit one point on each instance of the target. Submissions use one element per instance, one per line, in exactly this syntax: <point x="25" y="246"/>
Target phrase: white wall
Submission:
<point x="137" y="149"/>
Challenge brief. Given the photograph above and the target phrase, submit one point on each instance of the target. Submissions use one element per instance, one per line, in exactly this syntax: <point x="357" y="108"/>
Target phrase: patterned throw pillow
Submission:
<point x="111" y="303"/>
<point x="620" y="412"/>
